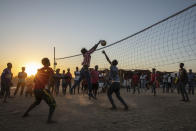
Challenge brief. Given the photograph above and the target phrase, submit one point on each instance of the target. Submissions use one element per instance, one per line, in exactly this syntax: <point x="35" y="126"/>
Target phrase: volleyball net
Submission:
<point x="167" y="42"/>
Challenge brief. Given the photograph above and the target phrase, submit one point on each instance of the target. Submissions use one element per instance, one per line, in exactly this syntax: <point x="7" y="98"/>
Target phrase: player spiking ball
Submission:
<point x="84" y="73"/>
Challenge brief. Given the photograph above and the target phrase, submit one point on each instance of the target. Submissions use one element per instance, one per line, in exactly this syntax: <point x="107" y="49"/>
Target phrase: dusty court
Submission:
<point x="76" y="113"/>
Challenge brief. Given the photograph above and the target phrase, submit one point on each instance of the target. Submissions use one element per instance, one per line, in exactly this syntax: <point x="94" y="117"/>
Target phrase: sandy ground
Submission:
<point x="163" y="112"/>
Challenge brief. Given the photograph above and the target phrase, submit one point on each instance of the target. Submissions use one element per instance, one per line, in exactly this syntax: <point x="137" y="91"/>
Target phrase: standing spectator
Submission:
<point x="143" y="81"/>
<point x="57" y="78"/>
<point x="183" y="79"/>
<point x="64" y="83"/>
<point x="191" y="78"/>
<point x="169" y="87"/>
<point x="153" y="81"/>
<point x="21" y="81"/>
<point x="176" y="83"/>
<point x="29" y="89"/>
<point x="77" y="76"/>
<point x="68" y="80"/>
<point x="135" y="81"/>
<point x="6" y="82"/>
<point x="165" y="82"/>
<point x="94" y="80"/>
<point x="129" y="84"/>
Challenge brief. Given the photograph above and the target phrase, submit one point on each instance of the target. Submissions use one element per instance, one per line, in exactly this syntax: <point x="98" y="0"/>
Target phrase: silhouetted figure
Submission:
<point x="95" y="80"/>
<point x="64" y="86"/>
<point x="68" y="80"/>
<point x="191" y="82"/>
<point x="21" y="81"/>
<point x="57" y="78"/>
<point x="153" y="81"/>
<point x="176" y="83"/>
<point x="135" y="81"/>
<point x="84" y="73"/>
<point x="29" y="89"/>
<point x="183" y="79"/>
<point x="6" y="82"/>
<point x="42" y="78"/>
<point x="77" y="76"/>
<point x="165" y="82"/>
<point x="115" y="80"/>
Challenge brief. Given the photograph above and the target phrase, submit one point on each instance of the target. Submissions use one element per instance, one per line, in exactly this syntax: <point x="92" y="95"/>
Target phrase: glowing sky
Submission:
<point x="30" y="28"/>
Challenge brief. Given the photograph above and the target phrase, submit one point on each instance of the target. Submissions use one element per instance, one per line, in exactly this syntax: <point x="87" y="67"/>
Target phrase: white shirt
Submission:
<point x="77" y="75"/>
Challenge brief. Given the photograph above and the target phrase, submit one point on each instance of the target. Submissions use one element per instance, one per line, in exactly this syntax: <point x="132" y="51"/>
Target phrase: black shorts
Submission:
<point x="44" y="94"/>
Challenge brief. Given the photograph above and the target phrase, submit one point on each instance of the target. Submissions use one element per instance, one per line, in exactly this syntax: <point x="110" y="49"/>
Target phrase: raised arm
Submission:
<point x="94" y="47"/>
<point x="107" y="58"/>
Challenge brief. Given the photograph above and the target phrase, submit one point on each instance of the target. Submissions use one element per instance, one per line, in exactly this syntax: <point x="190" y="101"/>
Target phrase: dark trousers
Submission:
<point x="22" y="85"/>
<point x="84" y="73"/>
<point x="164" y="86"/>
<point x="154" y="88"/>
<point x="5" y="90"/>
<point x="43" y="94"/>
<point x="56" y="88"/>
<point x="77" y="86"/>
<point x="64" y="87"/>
<point x="95" y="88"/>
<point x="134" y="88"/>
<point x="128" y="88"/>
<point x="169" y="87"/>
<point x="183" y="91"/>
<point x="115" y="88"/>
<point x="191" y="88"/>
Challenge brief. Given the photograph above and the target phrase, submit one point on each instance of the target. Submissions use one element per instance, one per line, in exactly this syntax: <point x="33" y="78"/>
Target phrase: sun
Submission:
<point x="31" y="68"/>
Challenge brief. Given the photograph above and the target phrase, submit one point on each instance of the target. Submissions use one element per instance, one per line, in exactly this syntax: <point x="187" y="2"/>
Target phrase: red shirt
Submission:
<point x="135" y="79"/>
<point x="87" y="57"/>
<point x="69" y="77"/>
<point x="43" y="76"/>
<point x="94" y="76"/>
<point x="153" y="77"/>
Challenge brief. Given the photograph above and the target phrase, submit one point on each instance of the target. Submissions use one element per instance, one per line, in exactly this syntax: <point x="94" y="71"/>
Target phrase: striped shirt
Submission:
<point x="87" y="57"/>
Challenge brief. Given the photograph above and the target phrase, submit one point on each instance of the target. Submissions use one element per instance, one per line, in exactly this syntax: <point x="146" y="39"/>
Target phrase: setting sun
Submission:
<point x="31" y="68"/>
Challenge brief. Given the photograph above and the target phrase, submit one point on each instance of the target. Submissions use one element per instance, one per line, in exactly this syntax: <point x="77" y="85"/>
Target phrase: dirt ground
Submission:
<point x="164" y="112"/>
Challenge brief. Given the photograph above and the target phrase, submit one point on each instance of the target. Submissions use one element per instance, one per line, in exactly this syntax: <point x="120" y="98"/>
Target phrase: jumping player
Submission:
<point x="115" y="85"/>
<point x="84" y="73"/>
<point x="42" y="78"/>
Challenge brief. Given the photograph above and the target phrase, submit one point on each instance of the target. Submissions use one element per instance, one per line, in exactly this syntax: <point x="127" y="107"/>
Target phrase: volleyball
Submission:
<point x="103" y="42"/>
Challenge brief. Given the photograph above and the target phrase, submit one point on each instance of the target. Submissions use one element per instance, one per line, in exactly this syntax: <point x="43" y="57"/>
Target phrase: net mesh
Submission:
<point x="167" y="43"/>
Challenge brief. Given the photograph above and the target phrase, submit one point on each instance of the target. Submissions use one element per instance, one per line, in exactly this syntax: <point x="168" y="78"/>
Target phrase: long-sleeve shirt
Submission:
<point x="87" y="57"/>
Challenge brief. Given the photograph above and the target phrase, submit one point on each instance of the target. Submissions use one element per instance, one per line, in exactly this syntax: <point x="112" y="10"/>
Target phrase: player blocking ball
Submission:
<point x="103" y="42"/>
